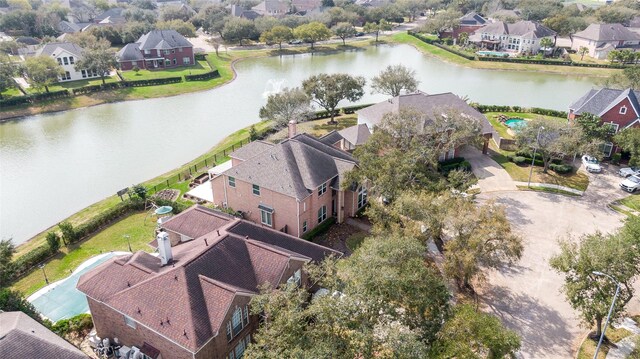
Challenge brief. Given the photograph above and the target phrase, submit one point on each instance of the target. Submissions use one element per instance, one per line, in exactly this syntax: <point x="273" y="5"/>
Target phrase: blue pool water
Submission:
<point x="64" y="300"/>
<point x="514" y="122"/>
<point x="493" y="53"/>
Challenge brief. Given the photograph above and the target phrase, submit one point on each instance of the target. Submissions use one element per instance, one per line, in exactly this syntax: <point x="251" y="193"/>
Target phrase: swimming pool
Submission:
<point x="61" y="300"/>
<point x="514" y="122"/>
<point x="493" y="53"/>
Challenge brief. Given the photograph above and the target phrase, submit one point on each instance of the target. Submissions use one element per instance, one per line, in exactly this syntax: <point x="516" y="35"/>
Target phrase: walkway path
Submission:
<point x="491" y="176"/>
<point x="625" y="346"/>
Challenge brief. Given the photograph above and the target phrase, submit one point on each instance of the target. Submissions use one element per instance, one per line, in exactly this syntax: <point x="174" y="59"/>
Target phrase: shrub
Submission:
<point x="561" y="168"/>
<point x="451" y="161"/>
<point x="76" y="326"/>
<point x="53" y="240"/>
<point x="615" y="159"/>
<point x="320" y="229"/>
<point x="205" y="76"/>
<point x="518" y="160"/>
<point x="26" y="262"/>
<point x="69" y="234"/>
<point x="139" y="191"/>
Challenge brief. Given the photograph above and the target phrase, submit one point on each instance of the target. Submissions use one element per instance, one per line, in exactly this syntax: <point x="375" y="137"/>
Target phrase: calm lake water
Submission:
<point x="53" y="165"/>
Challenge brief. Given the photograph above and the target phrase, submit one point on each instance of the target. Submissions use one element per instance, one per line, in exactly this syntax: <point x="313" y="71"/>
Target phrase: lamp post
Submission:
<point x="613" y="303"/>
<point x="128" y="242"/>
<point x="535" y="148"/>
<point x="44" y="273"/>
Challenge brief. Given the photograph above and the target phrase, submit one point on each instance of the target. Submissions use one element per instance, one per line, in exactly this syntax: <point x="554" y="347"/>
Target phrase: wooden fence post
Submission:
<point x="205" y="163"/>
<point x="215" y="158"/>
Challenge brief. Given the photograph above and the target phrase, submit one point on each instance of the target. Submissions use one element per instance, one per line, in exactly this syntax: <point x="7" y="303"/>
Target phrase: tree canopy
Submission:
<point x="43" y="71"/>
<point x="629" y="140"/>
<point x="328" y="90"/>
<point x="286" y="105"/>
<point x="237" y="29"/>
<point x="98" y="57"/>
<point x="393" y="79"/>
<point x="312" y="32"/>
<point x="344" y="30"/>
<point x="277" y="35"/>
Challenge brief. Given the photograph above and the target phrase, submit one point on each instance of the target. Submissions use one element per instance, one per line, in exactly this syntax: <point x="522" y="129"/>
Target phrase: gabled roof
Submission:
<point x="430" y="105"/>
<point x="598" y="102"/>
<point x="356" y="135"/>
<point x="526" y="29"/>
<point x="607" y="32"/>
<point x="54" y="49"/>
<point x="23" y="337"/>
<point x="294" y="167"/>
<point x="271" y="6"/>
<point x="162" y="39"/>
<point x="130" y="52"/>
<point x="114" y="15"/>
<point x="196" y="222"/>
<point x="250" y="150"/>
<point x="472" y="19"/>
<point x="187" y="301"/>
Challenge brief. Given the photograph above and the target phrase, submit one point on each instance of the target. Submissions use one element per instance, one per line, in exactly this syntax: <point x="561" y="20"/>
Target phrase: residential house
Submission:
<point x="520" y="37"/>
<point x="112" y="16"/>
<point x="349" y="138"/>
<point x="619" y="109"/>
<point x="272" y="8"/>
<point x="469" y="23"/>
<point x="601" y="39"/>
<point x="22" y="337"/>
<point x="293" y="186"/>
<point x="239" y="11"/>
<point x="634" y="25"/>
<point x="192" y="301"/>
<point x="372" y="3"/>
<point x="157" y="49"/>
<point x="67" y="54"/>
<point x="430" y="106"/>
<point x="67" y="27"/>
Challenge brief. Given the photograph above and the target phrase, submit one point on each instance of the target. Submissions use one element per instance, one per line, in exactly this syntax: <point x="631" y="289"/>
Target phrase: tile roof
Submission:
<point x="525" y="29"/>
<point x="598" y="102"/>
<point x="187" y="301"/>
<point x="294" y="167"/>
<point x="250" y="150"/>
<point x="54" y="48"/>
<point x="607" y="32"/>
<point x="162" y="39"/>
<point x="130" y="52"/>
<point x="427" y="104"/>
<point x="22" y="337"/>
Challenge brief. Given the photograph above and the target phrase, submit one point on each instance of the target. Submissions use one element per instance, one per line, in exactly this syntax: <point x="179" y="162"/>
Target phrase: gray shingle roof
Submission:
<point x="114" y="15"/>
<point x="130" y="52"/>
<point x="607" y="32"/>
<point x="598" y="102"/>
<point x="356" y="135"/>
<point x="294" y="167"/>
<point x="22" y="337"/>
<point x="472" y="19"/>
<point x="430" y="105"/>
<point x="331" y="138"/>
<point x="526" y="29"/>
<point x="53" y="49"/>
<point x="162" y="39"/>
<point x="251" y="150"/>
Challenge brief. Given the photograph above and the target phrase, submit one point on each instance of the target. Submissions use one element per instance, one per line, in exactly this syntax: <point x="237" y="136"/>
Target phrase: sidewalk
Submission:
<point x="627" y="345"/>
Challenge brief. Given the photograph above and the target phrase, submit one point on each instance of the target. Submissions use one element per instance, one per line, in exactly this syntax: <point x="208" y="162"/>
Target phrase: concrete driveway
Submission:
<point x="527" y="296"/>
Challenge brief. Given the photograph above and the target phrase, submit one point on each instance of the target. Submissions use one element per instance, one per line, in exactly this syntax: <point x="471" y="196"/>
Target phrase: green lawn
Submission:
<point x="588" y="347"/>
<point x="632" y="202"/>
<point x="199" y="68"/>
<point x="11" y="92"/>
<point x="502" y="128"/>
<point x="139" y="227"/>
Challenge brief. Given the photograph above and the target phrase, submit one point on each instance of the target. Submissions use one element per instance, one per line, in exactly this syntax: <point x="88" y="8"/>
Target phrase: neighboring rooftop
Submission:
<point x="162" y="39"/>
<point x="54" y="49"/>
<point x="525" y="29"/>
<point x="607" y="32"/>
<point x="22" y="337"/>
<point x="130" y="52"/>
<point x="472" y="19"/>
<point x="188" y="300"/>
<point x="598" y="102"/>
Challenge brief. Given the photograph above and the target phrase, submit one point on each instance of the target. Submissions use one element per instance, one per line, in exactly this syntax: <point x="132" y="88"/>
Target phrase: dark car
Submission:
<point x="358" y="34"/>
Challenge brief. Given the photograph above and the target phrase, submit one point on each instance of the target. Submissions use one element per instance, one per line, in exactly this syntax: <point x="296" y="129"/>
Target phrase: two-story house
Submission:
<point x="468" y="23"/>
<point x="520" y="37"/>
<point x="293" y="186"/>
<point x="157" y="49"/>
<point x="429" y="105"/>
<point x="67" y="54"/>
<point x="601" y="39"/>
<point x="192" y="301"/>
<point x="619" y="109"/>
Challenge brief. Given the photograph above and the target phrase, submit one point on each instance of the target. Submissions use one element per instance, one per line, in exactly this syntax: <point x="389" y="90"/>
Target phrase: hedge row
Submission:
<point x="454" y="51"/>
<point x="206" y="76"/>
<point x="34" y="98"/>
<point x="78" y="325"/>
<point x="320" y="229"/>
<point x="152" y="82"/>
<point x="352" y="109"/>
<point x="96" y="88"/>
<point x="535" y="110"/>
<point x="464" y="166"/>
<point x="27" y="262"/>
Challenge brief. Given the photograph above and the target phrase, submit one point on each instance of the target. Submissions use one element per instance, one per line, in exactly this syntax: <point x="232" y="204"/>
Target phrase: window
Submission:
<point x="296" y="278"/>
<point x="179" y="49"/>
<point x="607" y="148"/>
<point x="167" y="52"/>
<point x="238" y="322"/>
<point x="362" y="197"/>
<point x="59" y="61"/>
<point x="130" y="322"/>
<point x="167" y="62"/>
<point x="175" y="61"/>
<point x="322" y="189"/>
<point x="232" y="181"/>
<point x="84" y="74"/>
<point x="613" y="127"/>
<point x="71" y="60"/>
<point x="147" y="52"/>
<point x="186" y="60"/>
<point x="266" y="218"/>
<point x="322" y="214"/>
<point x="65" y="60"/>
<point x="304" y="227"/>
<point x="623" y="110"/>
<point x="256" y="189"/>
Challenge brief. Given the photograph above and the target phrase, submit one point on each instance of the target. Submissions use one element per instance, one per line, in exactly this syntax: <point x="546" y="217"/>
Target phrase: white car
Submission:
<point x="631" y="183"/>
<point x="591" y="164"/>
<point x="629" y="171"/>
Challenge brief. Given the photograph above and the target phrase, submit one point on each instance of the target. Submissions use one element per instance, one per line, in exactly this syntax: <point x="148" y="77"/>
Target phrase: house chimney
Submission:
<point x="164" y="248"/>
<point x="292" y="128"/>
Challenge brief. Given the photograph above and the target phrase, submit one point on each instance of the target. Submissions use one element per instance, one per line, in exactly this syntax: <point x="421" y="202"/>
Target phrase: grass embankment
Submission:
<point x="632" y="202"/>
<point x="588" y="347"/>
<point x="548" y="190"/>
<point x="200" y="67"/>
<point x="447" y="56"/>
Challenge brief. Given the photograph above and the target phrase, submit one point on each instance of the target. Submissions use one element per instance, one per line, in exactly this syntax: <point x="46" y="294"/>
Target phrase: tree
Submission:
<point x="337" y="15"/>
<point x="629" y="77"/>
<point x="344" y="30"/>
<point x="556" y="139"/>
<point x="69" y="234"/>
<point x="237" y="29"/>
<point x="328" y="90"/>
<point x="479" y="237"/>
<point x="99" y="58"/>
<point x="442" y="21"/>
<point x="582" y="51"/>
<point x="473" y="334"/>
<point x="277" y="35"/>
<point x="182" y="27"/>
<point x="616" y="255"/>
<point x="43" y="71"/>
<point x="629" y="140"/>
<point x="412" y="7"/>
<point x="593" y="129"/>
<point x="376" y="28"/>
<point x="393" y="79"/>
<point x="402" y="153"/>
<point x="312" y="32"/>
<point x="139" y="191"/>
<point x="546" y="43"/>
<point x="7" y="72"/>
<point x="213" y="18"/>
<point x="53" y="240"/>
<point x="615" y="14"/>
<point x="170" y="13"/>
<point x="463" y="38"/>
<point x="11" y="301"/>
<point x="565" y="25"/>
<point x="286" y="105"/>
<point x="7" y="249"/>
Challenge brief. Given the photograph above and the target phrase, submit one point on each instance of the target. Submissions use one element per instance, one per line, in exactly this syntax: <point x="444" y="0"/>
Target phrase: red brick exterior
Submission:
<point x="178" y="55"/>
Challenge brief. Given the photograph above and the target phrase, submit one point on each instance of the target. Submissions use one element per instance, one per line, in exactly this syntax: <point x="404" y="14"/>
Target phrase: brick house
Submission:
<point x="618" y="108"/>
<point x="347" y="139"/>
<point x="192" y="300"/>
<point x="469" y="23"/>
<point x="157" y="49"/>
<point x="293" y="186"/>
<point x="429" y="105"/>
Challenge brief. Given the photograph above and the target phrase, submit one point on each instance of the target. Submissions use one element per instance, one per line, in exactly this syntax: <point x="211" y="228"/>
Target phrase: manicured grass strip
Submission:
<point x="632" y="202"/>
<point x="588" y="347"/>
<point x="548" y="190"/>
<point x="200" y="67"/>
<point x="139" y="227"/>
<point x="501" y="128"/>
